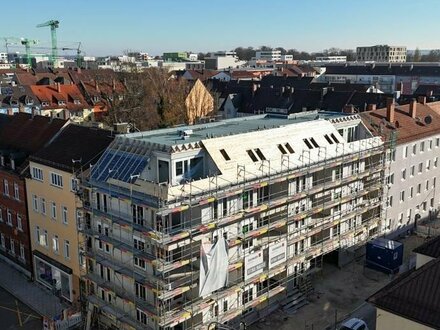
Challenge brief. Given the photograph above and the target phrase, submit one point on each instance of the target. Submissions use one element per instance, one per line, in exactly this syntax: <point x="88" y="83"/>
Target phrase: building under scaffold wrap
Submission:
<point x="222" y="222"/>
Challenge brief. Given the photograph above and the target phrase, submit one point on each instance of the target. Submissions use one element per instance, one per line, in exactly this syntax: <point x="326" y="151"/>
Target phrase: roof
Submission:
<point x="407" y="128"/>
<point x="43" y="77"/>
<point x="19" y="94"/>
<point x="430" y="248"/>
<point x="414" y="295"/>
<point x="26" y="133"/>
<point x="73" y="143"/>
<point x="199" y="74"/>
<point x="171" y="136"/>
<point x="399" y="69"/>
<point x="424" y="90"/>
<point x="69" y="94"/>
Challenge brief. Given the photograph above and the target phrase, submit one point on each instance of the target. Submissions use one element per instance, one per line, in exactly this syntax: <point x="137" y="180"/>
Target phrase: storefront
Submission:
<point x="54" y="275"/>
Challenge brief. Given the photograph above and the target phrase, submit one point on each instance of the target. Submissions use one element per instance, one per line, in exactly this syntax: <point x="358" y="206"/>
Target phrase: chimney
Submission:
<point x="114" y="84"/>
<point x="413" y="108"/>
<point x="58" y="87"/>
<point x="422" y="99"/>
<point x="96" y="85"/>
<point x="348" y="108"/>
<point x="371" y="107"/>
<point x="390" y="109"/>
<point x="10" y="112"/>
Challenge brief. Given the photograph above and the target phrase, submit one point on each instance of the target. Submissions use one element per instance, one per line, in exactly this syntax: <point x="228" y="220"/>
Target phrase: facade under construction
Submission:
<point x="220" y="222"/>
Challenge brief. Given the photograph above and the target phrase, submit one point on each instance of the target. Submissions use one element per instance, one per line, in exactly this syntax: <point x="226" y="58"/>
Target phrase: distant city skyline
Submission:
<point x="109" y="28"/>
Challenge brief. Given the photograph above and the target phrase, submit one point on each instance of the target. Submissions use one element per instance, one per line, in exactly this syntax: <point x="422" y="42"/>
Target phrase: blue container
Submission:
<point x="384" y="255"/>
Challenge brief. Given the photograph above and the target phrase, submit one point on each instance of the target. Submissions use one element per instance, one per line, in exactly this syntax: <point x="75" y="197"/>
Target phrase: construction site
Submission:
<point x="225" y="222"/>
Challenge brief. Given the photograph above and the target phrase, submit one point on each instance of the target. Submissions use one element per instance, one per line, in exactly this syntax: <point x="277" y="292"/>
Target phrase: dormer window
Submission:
<point x="76" y="101"/>
<point x="14" y="102"/>
<point x="29" y="101"/>
<point x="95" y="98"/>
<point x="60" y="102"/>
<point x="44" y="104"/>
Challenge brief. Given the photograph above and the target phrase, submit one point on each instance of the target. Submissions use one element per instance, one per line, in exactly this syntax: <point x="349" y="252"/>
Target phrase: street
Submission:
<point x="9" y="317"/>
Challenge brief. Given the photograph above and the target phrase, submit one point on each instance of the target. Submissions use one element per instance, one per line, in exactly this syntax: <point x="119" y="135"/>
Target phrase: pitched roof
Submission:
<point x="200" y="74"/>
<point x="27" y="134"/>
<point x="70" y="94"/>
<point x="424" y="90"/>
<point x="414" y="295"/>
<point x="74" y="142"/>
<point x="20" y="94"/>
<point x="430" y="248"/>
<point x="407" y="129"/>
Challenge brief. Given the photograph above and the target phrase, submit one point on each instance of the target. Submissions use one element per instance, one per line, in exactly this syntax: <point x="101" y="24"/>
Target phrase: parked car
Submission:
<point x="353" y="324"/>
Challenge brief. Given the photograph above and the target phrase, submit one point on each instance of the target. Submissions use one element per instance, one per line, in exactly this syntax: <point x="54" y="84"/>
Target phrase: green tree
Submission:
<point x="417" y="55"/>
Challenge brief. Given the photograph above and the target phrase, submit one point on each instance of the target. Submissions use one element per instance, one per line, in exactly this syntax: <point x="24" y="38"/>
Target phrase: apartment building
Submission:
<point x="381" y="53"/>
<point x="223" y="221"/>
<point x="54" y="207"/>
<point x="21" y="135"/>
<point x="268" y="55"/>
<point x="413" y="192"/>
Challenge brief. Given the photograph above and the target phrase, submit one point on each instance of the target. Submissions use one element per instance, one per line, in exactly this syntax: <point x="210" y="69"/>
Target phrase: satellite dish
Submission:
<point x="428" y="119"/>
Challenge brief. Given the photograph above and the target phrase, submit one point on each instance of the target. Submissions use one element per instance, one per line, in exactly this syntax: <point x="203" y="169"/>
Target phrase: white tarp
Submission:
<point x="253" y="264"/>
<point x="277" y="253"/>
<point x="213" y="266"/>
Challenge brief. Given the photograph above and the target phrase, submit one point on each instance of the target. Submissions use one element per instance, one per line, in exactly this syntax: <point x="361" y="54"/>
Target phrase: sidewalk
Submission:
<point x="37" y="298"/>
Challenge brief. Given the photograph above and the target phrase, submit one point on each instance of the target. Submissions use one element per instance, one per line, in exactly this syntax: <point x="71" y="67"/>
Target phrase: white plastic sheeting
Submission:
<point x="213" y="266"/>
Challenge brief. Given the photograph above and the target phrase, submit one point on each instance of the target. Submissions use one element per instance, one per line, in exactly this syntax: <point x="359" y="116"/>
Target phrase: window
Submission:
<point x="422" y="146"/>
<point x="1" y="215"/>
<point x="437" y="142"/>
<point x="430" y="144"/>
<point x="428" y="164"/>
<point x="252" y="155"/>
<point x="141" y="291"/>
<point x="43" y="237"/>
<point x="390" y="179"/>
<point x="411" y="192"/>
<point x="9" y="218"/>
<point x="413" y="170"/>
<point x="289" y="148"/>
<point x="405" y="152"/>
<point x="35" y="203"/>
<point x="12" y="246"/>
<point x="22" y="256"/>
<point x="138" y="262"/>
<point x="427" y="185"/>
<point x="260" y="154"/>
<point x="55" y="244"/>
<point x="435" y="161"/>
<point x="247" y="296"/>
<point x="56" y="180"/>
<point x="2" y="239"/>
<point x="16" y="192"/>
<point x="179" y="168"/>
<point x="6" y="187"/>
<point x="67" y="249"/>
<point x="19" y="223"/>
<point x="139" y="244"/>
<point x="420" y="168"/>
<point x="65" y="215"/>
<point x="53" y="208"/>
<point x="141" y="317"/>
<point x="419" y="188"/>
<point x="43" y="205"/>
<point x="402" y="195"/>
<point x="225" y="154"/>
<point x="74" y="184"/>
<point x="308" y="144"/>
<point x="281" y="148"/>
<point x="37" y="173"/>
<point x="414" y="149"/>
<point x="404" y="174"/>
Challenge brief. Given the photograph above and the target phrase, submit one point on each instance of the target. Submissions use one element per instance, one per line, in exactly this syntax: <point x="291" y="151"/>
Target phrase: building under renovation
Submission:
<point x="222" y="222"/>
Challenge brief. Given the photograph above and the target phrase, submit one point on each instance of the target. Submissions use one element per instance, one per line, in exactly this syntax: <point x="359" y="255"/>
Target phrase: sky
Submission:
<point x="107" y="27"/>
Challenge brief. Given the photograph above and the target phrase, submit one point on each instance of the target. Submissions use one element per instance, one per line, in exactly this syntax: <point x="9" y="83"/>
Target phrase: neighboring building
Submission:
<point x="413" y="132"/>
<point x="14" y="99"/>
<point x="411" y="302"/>
<point x="387" y="77"/>
<point x="331" y="59"/>
<point x="381" y="53"/>
<point x="21" y="135"/>
<point x="222" y="61"/>
<point x="219" y="221"/>
<point x="175" y="57"/>
<point x="54" y="207"/>
<point x="269" y="55"/>
<point x="199" y="102"/>
<point x="62" y="101"/>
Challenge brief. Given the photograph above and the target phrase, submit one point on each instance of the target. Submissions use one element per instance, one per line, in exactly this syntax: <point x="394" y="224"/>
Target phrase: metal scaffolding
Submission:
<point x="313" y="208"/>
